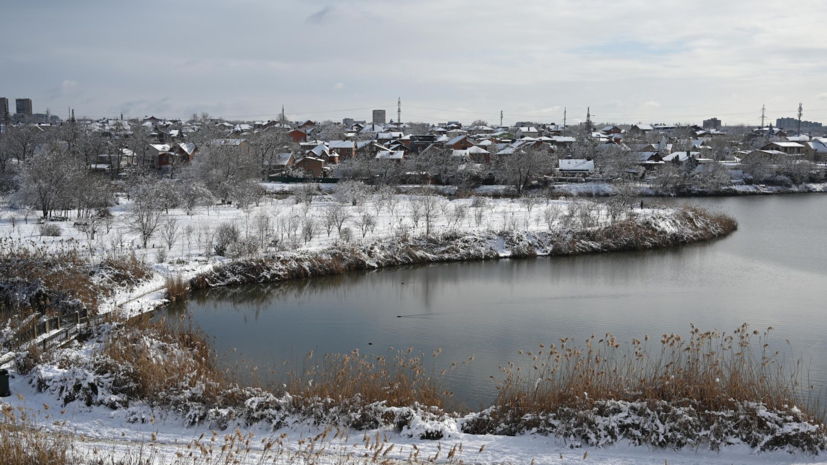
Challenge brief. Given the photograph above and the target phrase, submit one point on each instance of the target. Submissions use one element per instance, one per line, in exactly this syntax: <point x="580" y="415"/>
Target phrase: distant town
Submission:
<point x="672" y="158"/>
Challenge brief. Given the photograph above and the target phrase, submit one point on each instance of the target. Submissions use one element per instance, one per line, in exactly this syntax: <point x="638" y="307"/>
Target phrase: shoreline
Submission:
<point x="662" y="230"/>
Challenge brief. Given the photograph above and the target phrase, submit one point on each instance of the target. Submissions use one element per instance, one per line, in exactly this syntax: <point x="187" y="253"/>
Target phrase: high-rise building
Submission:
<point x="23" y="106"/>
<point x="379" y="117"/>
<point x="4" y="108"/>
<point x="792" y="123"/>
<point x="712" y="123"/>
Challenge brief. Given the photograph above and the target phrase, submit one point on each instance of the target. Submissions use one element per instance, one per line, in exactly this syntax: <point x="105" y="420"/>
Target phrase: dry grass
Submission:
<point x="125" y="269"/>
<point x="177" y="289"/>
<point x="23" y="443"/>
<point x="37" y="279"/>
<point x="156" y="360"/>
<point x="402" y="380"/>
<point x="711" y="372"/>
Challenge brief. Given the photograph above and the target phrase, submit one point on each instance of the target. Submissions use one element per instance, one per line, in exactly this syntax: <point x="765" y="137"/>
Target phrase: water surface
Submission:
<point x="771" y="272"/>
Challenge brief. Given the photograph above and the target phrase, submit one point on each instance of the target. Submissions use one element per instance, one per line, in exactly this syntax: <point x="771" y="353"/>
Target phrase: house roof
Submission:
<point x="282" y="159"/>
<point x="456" y="140"/>
<point x="786" y="144"/>
<point x="390" y="155"/>
<point x="341" y="144"/>
<point x="680" y="156"/>
<point x="576" y="164"/>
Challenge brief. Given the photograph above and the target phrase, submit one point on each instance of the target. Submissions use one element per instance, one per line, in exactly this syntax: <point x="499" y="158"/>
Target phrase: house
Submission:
<point x="241" y="144"/>
<point x="475" y="154"/>
<point x="526" y="131"/>
<point x="345" y="149"/>
<point x="681" y="157"/>
<point x="648" y="160"/>
<point x="611" y="130"/>
<point x="397" y="156"/>
<point x="459" y="143"/>
<point x="573" y="166"/>
<point x="816" y="150"/>
<point x="307" y="125"/>
<point x="311" y="165"/>
<point x="298" y="136"/>
<point x="771" y="156"/>
<point x="280" y="162"/>
<point x="640" y="129"/>
<point x="790" y="148"/>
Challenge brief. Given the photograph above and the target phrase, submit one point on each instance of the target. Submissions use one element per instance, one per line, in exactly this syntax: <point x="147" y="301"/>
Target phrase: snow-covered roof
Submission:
<point x="787" y="144"/>
<point x="576" y="164"/>
<point x="456" y="140"/>
<point x="681" y="156"/>
<point x="341" y="144"/>
<point x="563" y="139"/>
<point x="187" y="147"/>
<point x="282" y="159"/>
<point x="644" y="127"/>
<point x="390" y="155"/>
<point x="230" y="142"/>
<point x="442" y="138"/>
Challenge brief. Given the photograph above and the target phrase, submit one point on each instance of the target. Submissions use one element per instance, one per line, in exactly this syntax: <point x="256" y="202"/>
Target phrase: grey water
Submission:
<point x="771" y="272"/>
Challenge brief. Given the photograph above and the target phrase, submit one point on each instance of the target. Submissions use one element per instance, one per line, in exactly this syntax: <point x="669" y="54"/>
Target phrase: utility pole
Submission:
<point x="501" y="117"/>
<point x="800" y="112"/>
<point x="399" y="113"/>
<point x="564" y="121"/>
<point x="763" y="107"/>
<point x="282" y="115"/>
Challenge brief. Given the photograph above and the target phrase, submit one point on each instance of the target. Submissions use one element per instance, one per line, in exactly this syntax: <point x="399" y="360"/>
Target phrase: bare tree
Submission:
<point x="522" y="167"/>
<point x="365" y="221"/>
<point x="170" y="232"/>
<point x="48" y="179"/>
<point x="430" y="208"/>
<point x="144" y="219"/>
<point x="145" y="214"/>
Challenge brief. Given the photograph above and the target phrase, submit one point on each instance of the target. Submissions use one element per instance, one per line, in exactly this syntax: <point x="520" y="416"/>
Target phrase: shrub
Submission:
<point x="50" y="230"/>
<point x="225" y="234"/>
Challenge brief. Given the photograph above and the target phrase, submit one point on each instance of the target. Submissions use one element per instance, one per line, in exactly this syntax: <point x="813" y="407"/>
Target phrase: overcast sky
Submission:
<point x="630" y="60"/>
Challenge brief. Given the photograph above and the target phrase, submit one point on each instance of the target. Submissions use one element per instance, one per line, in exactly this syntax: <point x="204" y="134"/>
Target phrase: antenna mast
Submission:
<point x="399" y="113"/>
<point x="501" y="117"/>
<point x="564" y="121"/>
<point x="800" y="112"/>
<point x="762" y="115"/>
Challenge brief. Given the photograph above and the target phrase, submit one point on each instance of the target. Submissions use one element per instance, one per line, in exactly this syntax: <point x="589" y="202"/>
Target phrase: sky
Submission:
<point x="627" y="61"/>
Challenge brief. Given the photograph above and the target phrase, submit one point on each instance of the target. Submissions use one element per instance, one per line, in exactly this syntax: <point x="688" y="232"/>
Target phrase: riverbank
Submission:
<point x="651" y="229"/>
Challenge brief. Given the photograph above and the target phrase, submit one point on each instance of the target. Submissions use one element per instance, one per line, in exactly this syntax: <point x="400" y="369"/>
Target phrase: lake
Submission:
<point x="771" y="272"/>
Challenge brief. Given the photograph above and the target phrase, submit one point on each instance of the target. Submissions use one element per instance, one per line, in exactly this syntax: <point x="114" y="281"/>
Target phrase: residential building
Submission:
<point x="789" y="148"/>
<point x="792" y="123"/>
<point x="379" y="117"/>
<point x="572" y="166"/>
<point x="712" y="123"/>
<point x="4" y="108"/>
<point x="23" y="106"/>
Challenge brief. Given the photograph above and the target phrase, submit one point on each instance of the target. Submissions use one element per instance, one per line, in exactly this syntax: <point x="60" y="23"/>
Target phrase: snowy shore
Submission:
<point x="73" y="383"/>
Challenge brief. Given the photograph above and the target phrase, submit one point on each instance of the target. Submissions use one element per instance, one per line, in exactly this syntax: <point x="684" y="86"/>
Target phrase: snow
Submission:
<point x="125" y="431"/>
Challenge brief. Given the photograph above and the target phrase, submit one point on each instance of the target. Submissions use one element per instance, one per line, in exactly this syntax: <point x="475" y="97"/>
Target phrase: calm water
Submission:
<point x="771" y="272"/>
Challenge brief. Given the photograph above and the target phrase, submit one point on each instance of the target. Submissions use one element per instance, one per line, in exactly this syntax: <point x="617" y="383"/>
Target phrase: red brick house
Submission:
<point x="298" y="136"/>
<point x="459" y="143"/>
<point x="312" y="165"/>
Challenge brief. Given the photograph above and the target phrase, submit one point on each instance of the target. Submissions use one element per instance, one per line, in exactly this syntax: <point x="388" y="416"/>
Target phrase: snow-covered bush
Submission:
<point x="50" y="230"/>
<point x="225" y="234"/>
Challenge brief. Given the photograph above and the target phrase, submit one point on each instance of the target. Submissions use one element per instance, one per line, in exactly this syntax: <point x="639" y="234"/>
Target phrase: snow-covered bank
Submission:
<point x="597" y="189"/>
<point x="650" y="230"/>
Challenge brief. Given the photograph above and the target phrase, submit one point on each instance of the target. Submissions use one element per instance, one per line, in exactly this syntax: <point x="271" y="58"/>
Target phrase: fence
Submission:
<point x="67" y="327"/>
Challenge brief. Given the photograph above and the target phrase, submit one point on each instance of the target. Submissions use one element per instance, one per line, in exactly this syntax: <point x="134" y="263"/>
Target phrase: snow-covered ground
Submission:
<point x="164" y="437"/>
<point x="163" y="434"/>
